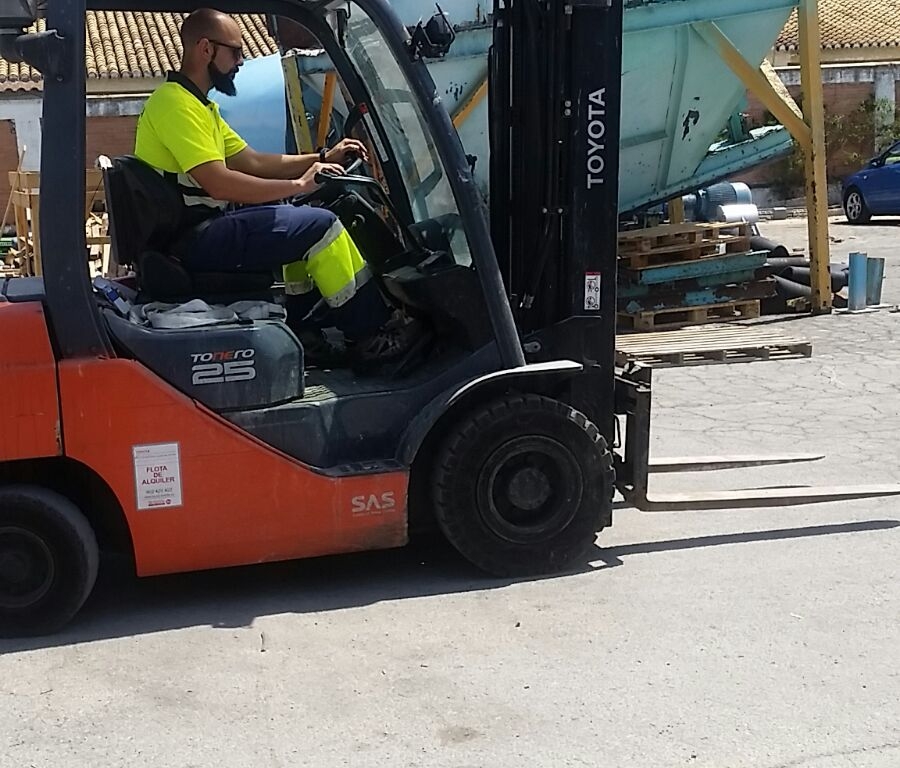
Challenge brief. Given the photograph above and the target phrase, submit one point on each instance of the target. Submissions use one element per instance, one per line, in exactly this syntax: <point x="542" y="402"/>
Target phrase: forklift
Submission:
<point x="201" y="447"/>
<point x="214" y="446"/>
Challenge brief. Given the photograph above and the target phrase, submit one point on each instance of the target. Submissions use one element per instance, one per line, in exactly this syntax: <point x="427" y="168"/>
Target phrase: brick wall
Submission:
<point x="105" y="135"/>
<point x="840" y="99"/>
<point x="109" y="136"/>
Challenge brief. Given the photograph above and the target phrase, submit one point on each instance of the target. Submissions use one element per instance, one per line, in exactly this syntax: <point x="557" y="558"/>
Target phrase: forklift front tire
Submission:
<point x="49" y="560"/>
<point x="521" y="486"/>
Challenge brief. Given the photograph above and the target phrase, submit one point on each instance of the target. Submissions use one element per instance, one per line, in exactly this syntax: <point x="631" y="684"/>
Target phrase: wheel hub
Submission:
<point x="529" y="489"/>
<point x="26" y="568"/>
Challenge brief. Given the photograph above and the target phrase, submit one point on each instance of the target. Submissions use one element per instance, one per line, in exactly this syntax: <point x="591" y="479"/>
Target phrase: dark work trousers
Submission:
<point x="265" y="238"/>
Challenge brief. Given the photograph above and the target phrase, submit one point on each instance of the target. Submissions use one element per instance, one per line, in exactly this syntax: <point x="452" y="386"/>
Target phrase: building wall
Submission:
<point x="840" y="99"/>
<point x="846" y="89"/>
<point x="110" y="129"/>
<point x="109" y="136"/>
<point x="8" y="161"/>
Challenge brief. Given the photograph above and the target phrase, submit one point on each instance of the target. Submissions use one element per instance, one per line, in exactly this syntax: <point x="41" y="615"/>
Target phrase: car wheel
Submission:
<point x="855" y="207"/>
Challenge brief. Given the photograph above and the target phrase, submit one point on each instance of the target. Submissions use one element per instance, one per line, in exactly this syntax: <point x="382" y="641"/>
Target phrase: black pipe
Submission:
<point x="788" y="261"/>
<point x="788" y="289"/>
<point x="759" y="243"/>
<point x="803" y="275"/>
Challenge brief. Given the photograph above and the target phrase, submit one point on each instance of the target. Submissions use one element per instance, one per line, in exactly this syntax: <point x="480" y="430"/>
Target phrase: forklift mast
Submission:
<point x="555" y="100"/>
<point x="555" y="95"/>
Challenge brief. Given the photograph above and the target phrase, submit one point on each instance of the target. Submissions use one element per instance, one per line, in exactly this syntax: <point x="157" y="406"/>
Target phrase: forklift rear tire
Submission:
<point x="521" y="486"/>
<point x="48" y="561"/>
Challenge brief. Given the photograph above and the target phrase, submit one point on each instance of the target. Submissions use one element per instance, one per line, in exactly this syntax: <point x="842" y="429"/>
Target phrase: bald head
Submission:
<point x="206" y="23"/>
<point x="213" y="52"/>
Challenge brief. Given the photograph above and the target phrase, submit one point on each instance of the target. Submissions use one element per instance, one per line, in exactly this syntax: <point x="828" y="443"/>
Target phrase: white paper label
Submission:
<point x="157" y="475"/>
<point x="592" y="291"/>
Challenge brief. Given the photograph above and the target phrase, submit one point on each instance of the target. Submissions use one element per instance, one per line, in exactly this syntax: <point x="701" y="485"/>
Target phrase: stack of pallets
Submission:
<point x="675" y="275"/>
<point x="11" y="264"/>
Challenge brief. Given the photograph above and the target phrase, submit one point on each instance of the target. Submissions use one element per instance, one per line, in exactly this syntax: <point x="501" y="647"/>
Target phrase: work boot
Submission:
<point x="305" y="321"/>
<point x="393" y="341"/>
<point x="318" y="351"/>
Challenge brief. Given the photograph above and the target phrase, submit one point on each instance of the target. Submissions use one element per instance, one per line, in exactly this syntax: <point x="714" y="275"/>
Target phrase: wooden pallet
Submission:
<point x="674" y="234"/>
<point x="675" y="297"/>
<point x="709" y="345"/>
<point x="675" y="243"/>
<point x="682" y="316"/>
<point x="25" y="198"/>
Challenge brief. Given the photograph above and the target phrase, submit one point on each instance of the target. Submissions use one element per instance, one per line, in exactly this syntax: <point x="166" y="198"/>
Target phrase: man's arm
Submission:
<point x="224" y="183"/>
<point x="270" y="166"/>
<point x="264" y="165"/>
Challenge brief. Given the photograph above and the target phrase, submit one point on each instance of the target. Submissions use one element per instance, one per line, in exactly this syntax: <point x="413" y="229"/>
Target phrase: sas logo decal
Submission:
<point x="373" y="504"/>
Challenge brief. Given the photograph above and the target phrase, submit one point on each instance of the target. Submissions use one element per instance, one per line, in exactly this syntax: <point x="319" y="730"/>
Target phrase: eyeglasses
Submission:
<point x="236" y="50"/>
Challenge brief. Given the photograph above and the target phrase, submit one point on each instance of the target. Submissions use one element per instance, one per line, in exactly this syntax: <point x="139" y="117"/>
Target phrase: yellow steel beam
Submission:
<point x="468" y="106"/>
<point x="755" y="81"/>
<point x="327" y="106"/>
<point x="299" y="122"/>
<point x="780" y="88"/>
<point x="814" y="155"/>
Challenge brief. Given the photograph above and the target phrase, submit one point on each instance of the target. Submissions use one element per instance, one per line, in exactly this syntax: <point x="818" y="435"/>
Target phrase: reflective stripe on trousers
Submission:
<point x="334" y="265"/>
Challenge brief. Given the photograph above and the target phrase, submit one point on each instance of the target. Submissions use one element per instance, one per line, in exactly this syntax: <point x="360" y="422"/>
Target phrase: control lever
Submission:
<point x="323" y="177"/>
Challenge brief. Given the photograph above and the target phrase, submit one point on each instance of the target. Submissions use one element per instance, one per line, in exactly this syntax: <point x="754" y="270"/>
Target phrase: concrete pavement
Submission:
<point x="734" y="639"/>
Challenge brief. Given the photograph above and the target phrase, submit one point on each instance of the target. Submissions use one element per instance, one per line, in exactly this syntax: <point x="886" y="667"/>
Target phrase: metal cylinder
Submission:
<point x="857" y="284"/>
<point x="874" y="280"/>
<point x="737" y="214"/>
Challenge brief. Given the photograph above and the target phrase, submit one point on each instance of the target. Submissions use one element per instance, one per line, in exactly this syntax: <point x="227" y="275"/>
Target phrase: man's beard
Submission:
<point x="222" y="81"/>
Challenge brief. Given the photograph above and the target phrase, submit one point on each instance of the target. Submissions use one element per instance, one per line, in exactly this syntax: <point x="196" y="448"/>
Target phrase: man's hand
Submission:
<point x="307" y="182"/>
<point x="345" y="150"/>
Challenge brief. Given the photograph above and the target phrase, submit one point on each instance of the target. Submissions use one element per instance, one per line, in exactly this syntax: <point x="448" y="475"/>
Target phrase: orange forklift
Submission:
<point x="198" y="447"/>
<point x="192" y="446"/>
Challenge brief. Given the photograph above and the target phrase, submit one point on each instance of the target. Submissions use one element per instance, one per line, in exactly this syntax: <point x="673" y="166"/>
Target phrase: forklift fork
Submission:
<point x="634" y="467"/>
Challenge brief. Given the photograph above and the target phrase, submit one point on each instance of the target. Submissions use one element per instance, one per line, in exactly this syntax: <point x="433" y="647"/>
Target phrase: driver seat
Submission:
<point x="146" y="226"/>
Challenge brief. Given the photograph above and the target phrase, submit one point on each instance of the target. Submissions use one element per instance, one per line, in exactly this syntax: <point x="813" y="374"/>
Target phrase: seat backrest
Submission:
<point x="146" y="211"/>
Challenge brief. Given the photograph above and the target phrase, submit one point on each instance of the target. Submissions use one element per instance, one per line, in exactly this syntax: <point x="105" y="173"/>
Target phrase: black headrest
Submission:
<point x="146" y="209"/>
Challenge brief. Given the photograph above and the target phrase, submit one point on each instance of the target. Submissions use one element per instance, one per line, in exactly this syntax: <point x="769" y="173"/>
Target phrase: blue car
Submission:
<point x="875" y="190"/>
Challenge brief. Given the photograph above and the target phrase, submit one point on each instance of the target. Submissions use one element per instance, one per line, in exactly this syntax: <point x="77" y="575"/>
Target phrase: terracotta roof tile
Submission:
<point x="850" y="24"/>
<point x="133" y="45"/>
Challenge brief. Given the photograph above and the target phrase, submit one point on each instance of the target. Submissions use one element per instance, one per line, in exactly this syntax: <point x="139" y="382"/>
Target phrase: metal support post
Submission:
<point x="467" y="107"/>
<point x="814" y="155"/>
<point x="808" y="129"/>
<point x="324" y="125"/>
<point x="299" y="120"/>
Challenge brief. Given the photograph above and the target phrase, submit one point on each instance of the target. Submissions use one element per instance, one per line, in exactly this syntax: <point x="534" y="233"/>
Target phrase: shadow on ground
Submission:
<point x="124" y="606"/>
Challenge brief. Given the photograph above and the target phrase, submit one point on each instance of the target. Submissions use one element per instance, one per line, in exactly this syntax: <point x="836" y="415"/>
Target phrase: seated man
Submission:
<point x="181" y="133"/>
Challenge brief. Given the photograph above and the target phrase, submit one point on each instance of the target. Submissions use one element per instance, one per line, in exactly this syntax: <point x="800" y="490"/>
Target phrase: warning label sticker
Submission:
<point x="157" y="475"/>
<point x="592" y="291"/>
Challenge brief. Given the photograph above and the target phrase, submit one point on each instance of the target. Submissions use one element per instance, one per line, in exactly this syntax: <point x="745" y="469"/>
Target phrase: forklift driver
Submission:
<point x="181" y="133"/>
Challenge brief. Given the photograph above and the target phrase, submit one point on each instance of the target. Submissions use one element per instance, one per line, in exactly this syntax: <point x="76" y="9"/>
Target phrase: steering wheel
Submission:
<point x="331" y="182"/>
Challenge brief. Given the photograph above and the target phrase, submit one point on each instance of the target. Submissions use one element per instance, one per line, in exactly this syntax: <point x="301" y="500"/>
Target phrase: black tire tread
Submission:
<point x="517" y="407"/>
<point x="79" y="533"/>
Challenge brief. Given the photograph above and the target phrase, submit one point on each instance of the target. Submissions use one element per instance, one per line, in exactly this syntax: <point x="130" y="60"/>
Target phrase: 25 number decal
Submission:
<point x="221" y="373"/>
